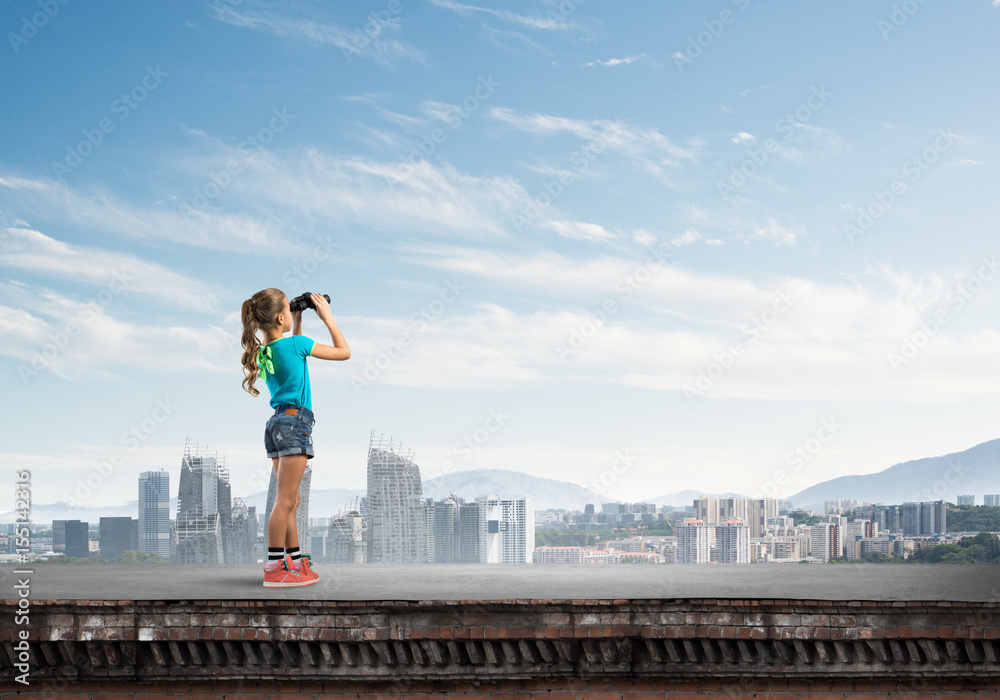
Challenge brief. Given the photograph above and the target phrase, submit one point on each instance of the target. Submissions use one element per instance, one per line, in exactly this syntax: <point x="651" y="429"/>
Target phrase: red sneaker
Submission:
<point x="304" y="567"/>
<point x="278" y="574"/>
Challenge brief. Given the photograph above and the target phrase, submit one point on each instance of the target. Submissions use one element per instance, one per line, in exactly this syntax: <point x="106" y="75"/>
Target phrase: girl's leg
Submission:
<point x="292" y="531"/>
<point x="289" y="473"/>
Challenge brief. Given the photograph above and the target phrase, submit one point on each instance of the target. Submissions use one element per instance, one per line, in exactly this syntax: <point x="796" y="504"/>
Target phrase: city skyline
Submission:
<point x="553" y="234"/>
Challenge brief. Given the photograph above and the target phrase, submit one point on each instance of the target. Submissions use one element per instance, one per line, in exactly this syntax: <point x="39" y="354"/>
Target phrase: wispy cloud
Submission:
<point x="553" y="22"/>
<point x="614" y="61"/>
<point x="366" y="43"/>
<point x="30" y="250"/>
<point x="48" y="200"/>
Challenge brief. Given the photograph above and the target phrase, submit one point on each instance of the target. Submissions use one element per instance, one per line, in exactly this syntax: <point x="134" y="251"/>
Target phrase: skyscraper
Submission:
<point x="825" y="541"/>
<point x="396" y="519"/>
<point x="154" y="512"/>
<point x="732" y="542"/>
<point x="692" y="542"/>
<point x="924" y="518"/>
<point x="761" y="510"/>
<point x="506" y="530"/>
<point x="203" y="504"/>
<point x="966" y="500"/>
<point x="74" y="536"/>
<point x="117" y="535"/>
<point x="991" y="499"/>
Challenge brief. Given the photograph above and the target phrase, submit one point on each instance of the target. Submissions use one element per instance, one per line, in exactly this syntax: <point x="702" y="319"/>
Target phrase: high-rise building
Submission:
<point x="923" y="518"/>
<point x="706" y="509"/>
<point x="692" y="542"/>
<point x="967" y="500"/>
<point x="117" y="535"/>
<point x="760" y="511"/>
<point x="239" y="535"/>
<point x="317" y="546"/>
<point x="734" y="508"/>
<point x="991" y="499"/>
<point x="346" y="542"/>
<point x="203" y="507"/>
<point x="825" y="541"/>
<point x="886" y="517"/>
<point x="154" y="512"/>
<point x="444" y="536"/>
<point x="468" y="527"/>
<point x="396" y="519"/>
<point x="73" y="536"/>
<point x="506" y="530"/>
<point x="732" y="542"/>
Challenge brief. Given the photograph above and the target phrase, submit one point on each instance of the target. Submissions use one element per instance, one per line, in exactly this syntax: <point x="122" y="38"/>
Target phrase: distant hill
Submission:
<point x="975" y="470"/>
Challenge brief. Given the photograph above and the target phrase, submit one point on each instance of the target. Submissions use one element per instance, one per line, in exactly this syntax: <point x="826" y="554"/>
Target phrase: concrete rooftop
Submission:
<point x="384" y="582"/>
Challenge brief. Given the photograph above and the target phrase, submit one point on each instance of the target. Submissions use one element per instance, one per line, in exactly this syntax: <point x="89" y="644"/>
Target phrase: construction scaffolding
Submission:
<point x="204" y="507"/>
<point x="395" y="508"/>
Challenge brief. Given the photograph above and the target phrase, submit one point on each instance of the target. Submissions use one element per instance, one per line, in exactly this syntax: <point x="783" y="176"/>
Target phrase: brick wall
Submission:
<point x="595" y="649"/>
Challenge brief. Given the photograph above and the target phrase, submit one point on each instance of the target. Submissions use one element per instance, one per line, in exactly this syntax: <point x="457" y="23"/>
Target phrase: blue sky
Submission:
<point x="697" y="234"/>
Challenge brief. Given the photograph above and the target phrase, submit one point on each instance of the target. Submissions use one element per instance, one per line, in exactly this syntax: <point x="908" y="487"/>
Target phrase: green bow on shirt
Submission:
<point x="264" y="362"/>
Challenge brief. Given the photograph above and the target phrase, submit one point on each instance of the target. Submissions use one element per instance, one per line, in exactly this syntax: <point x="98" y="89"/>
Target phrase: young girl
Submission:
<point x="281" y="363"/>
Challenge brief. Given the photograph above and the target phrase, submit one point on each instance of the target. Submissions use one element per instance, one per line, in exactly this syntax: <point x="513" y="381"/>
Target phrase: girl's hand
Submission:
<point x="322" y="307"/>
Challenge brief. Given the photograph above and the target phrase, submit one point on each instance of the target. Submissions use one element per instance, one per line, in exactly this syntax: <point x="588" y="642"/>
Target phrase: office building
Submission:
<point x="154" y="512"/>
<point x="991" y="499"/>
<point x="967" y="500"/>
<point x="73" y="536"/>
<point x="117" y="535"/>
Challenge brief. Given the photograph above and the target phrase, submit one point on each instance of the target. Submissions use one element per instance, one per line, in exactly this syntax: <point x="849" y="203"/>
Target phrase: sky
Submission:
<point x="641" y="247"/>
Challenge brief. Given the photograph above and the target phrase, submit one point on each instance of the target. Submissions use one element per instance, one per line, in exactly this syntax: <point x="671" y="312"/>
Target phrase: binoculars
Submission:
<point x="304" y="301"/>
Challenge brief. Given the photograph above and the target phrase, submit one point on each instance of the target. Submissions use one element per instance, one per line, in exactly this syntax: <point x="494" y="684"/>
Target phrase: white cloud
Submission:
<point x="614" y="61"/>
<point x="26" y="249"/>
<point x="743" y="137"/>
<point x="552" y="22"/>
<point x="580" y="230"/>
<point x="366" y="43"/>
<point x="50" y="200"/>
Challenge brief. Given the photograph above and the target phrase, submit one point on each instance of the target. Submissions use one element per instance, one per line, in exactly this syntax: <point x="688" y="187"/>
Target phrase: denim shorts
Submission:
<point x="289" y="434"/>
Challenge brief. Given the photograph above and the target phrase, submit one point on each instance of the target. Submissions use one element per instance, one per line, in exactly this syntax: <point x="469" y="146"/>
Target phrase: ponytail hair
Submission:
<point x="258" y="313"/>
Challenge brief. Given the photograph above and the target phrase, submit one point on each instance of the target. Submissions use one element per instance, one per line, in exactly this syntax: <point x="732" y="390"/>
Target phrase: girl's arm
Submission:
<point x="297" y="322"/>
<point x="339" y="349"/>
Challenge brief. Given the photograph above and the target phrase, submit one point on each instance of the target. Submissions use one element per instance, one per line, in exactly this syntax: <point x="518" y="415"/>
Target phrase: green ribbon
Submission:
<point x="264" y="362"/>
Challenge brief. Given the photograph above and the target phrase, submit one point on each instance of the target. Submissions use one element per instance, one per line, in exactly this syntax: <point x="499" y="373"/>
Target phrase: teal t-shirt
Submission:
<point x="289" y="384"/>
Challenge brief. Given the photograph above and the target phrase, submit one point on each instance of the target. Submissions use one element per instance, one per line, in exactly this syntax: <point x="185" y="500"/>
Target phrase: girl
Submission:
<point x="281" y="363"/>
